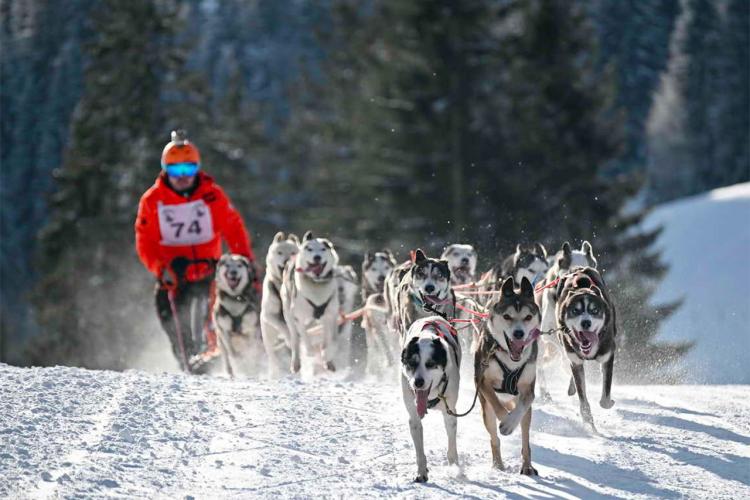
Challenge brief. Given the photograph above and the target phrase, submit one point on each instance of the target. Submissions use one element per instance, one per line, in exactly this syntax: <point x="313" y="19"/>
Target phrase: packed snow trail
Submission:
<point x="67" y="432"/>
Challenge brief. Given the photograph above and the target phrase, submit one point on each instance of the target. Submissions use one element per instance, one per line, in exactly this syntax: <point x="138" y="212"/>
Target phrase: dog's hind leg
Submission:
<point x="607" y="367"/>
<point x="526" y="468"/>
<point x="579" y="377"/>
<point x="490" y="423"/>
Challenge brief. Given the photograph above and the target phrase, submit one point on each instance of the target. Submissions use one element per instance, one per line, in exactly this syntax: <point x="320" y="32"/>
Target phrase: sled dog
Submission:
<point x="282" y="250"/>
<point x="505" y="367"/>
<point x="236" y="314"/>
<point x="587" y="319"/>
<point x="375" y="269"/>
<point x="430" y="372"/>
<point x="309" y="297"/>
<point x="462" y="261"/>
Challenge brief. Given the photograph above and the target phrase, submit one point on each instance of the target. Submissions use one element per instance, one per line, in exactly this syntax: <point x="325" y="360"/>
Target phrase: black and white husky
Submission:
<point x="310" y="297"/>
<point x="587" y="319"/>
<point x="528" y="261"/>
<point x="505" y="367"/>
<point x="462" y="261"/>
<point x="236" y="314"/>
<point x="380" y="342"/>
<point x="425" y="290"/>
<point x="272" y="323"/>
<point x="430" y="376"/>
<point x="561" y="263"/>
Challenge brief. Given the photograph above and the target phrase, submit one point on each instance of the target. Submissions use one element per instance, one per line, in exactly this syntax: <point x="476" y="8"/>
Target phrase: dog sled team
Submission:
<point x="430" y="315"/>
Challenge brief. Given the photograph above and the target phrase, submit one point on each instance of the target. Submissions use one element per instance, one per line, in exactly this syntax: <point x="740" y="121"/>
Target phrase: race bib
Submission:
<point x="185" y="224"/>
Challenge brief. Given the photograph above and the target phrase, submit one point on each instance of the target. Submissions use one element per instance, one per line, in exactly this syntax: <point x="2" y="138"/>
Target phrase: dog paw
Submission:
<point x="330" y="366"/>
<point x="528" y="470"/>
<point x="545" y="397"/>
<point x="296" y="365"/>
<point x="606" y="403"/>
<point x="421" y="478"/>
<point x="498" y="465"/>
<point x="508" y="424"/>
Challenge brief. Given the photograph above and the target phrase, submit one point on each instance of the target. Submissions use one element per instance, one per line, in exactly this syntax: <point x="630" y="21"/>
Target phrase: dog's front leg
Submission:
<point x="415" y="427"/>
<point x="330" y="329"/>
<point x="490" y="423"/>
<point x="294" y="341"/>
<point x="526" y="468"/>
<point x="523" y="403"/>
<point x="224" y="342"/>
<point x="451" y="426"/>
<point x="579" y="377"/>
<point x="607" y="368"/>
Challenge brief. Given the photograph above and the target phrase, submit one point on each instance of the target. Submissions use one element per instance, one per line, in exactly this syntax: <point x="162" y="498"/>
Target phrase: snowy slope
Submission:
<point x="706" y="242"/>
<point x="67" y="432"/>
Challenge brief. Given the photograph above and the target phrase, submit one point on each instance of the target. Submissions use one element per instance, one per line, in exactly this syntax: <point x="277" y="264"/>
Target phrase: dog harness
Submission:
<point x="236" y="320"/>
<point x="510" y="378"/>
<point x="319" y="310"/>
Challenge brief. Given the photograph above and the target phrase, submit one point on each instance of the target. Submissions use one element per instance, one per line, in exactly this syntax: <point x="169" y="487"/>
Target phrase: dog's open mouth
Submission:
<point x="587" y="341"/>
<point x="515" y="348"/>
<point x="462" y="272"/>
<point x="315" y="268"/>
<point x="421" y="397"/>
<point x="232" y="281"/>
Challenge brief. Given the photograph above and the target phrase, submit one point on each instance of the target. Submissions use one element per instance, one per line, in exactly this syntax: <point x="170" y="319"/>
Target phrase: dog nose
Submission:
<point x="418" y="382"/>
<point x="465" y="260"/>
<point x="585" y="324"/>
<point x="381" y="277"/>
<point x="429" y="288"/>
<point x="316" y="258"/>
<point x="518" y="334"/>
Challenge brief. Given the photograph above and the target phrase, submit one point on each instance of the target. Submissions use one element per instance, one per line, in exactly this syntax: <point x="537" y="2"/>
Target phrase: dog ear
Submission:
<point x="567" y="254"/>
<point x="446" y="250"/>
<point x="307" y="236"/>
<point x="540" y="250"/>
<point x="391" y="258"/>
<point x="293" y="238"/>
<point x="526" y="289"/>
<point x="508" y="287"/>
<point x="419" y="256"/>
<point x="327" y="243"/>
<point x="278" y="237"/>
<point x="369" y="256"/>
<point x="447" y="269"/>
<point x="586" y="248"/>
<point x="224" y="258"/>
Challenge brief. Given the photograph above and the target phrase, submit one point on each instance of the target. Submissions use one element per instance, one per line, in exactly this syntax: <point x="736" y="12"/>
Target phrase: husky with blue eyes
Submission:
<point x="430" y="368"/>
<point x="587" y="322"/>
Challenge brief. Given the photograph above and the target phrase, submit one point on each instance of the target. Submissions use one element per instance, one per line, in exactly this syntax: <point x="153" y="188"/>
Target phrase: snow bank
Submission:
<point x="72" y="433"/>
<point x="706" y="242"/>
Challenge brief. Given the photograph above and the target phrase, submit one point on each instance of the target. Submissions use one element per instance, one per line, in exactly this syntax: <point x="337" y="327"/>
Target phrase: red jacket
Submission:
<point x="171" y="225"/>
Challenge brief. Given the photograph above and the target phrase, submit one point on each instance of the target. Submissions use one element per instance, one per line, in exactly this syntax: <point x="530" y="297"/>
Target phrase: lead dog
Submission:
<point x="272" y="323"/>
<point x="430" y="375"/>
<point x="309" y="296"/>
<point x="587" y="319"/>
<point x="505" y="367"/>
<point x="561" y="263"/>
<point x="236" y="314"/>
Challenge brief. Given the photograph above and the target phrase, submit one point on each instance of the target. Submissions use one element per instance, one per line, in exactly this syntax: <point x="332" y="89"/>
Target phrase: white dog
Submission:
<point x="430" y="375"/>
<point x="462" y="261"/>
<point x="236" y="314"/>
<point x="272" y="323"/>
<point x="309" y="296"/>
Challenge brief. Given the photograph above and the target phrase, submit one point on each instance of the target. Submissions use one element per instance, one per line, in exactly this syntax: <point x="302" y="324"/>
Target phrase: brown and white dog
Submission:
<point x="505" y="367"/>
<point x="587" y="319"/>
<point x="236" y="315"/>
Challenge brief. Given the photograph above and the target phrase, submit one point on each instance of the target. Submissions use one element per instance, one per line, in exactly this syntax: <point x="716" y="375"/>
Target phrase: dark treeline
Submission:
<point x="385" y="124"/>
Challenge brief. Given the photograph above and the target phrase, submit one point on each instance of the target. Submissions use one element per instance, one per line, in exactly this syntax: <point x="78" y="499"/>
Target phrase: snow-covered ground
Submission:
<point x="706" y="242"/>
<point x="67" y="432"/>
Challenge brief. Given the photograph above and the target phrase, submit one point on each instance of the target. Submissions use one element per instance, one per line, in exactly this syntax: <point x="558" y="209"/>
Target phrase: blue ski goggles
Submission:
<point x="182" y="169"/>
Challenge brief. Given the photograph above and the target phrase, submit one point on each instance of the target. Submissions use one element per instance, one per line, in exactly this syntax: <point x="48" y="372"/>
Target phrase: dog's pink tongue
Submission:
<point x="592" y="337"/>
<point x="422" y="402"/>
